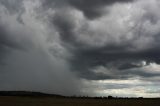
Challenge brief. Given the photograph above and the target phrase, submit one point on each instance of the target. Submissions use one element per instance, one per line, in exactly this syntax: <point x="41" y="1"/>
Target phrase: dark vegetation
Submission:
<point x="39" y="94"/>
<point x="23" y="98"/>
<point x="27" y="93"/>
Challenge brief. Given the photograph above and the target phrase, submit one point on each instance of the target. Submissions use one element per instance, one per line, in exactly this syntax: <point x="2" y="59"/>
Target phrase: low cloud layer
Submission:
<point x="70" y="47"/>
<point x="91" y="8"/>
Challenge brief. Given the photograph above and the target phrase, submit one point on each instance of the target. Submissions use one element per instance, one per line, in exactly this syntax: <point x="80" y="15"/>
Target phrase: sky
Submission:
<point x="81" y="47"/>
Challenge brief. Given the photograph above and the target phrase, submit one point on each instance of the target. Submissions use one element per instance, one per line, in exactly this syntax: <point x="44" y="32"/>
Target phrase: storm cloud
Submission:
<point x="97" y="45"/>
<point x="91" y="8"/>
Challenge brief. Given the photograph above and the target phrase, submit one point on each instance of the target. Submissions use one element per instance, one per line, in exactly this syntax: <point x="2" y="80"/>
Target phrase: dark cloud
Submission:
<point x="65" y="27"/>
<point x="91" y="8"/>
<point x="6" y="43"/>
<point x="115" y="55"/>
<point x="85" y="60"/>
<point x="77" y="40"/>
<point x="25" y="50"/>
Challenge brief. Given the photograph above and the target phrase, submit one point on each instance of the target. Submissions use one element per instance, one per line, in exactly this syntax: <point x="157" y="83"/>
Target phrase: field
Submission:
<point x="51" y="101"/>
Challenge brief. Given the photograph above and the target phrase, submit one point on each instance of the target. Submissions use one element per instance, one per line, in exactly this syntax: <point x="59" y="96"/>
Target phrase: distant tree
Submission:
<point x="110" y="97"/>
<point x="140" y="97"/>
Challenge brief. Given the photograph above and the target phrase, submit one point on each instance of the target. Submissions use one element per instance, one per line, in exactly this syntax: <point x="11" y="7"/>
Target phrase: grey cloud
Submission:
<point x="5" y="41"/>
<point x="119" y="55"/>
<point x="70" y="39"/>
<point x="29" y="63"/>
<point x="85" y="60"/>
<point x="13" y="6"/>
<point x="153" y="91"/>
<point x="65" y="26"/>
<point x="6" y="44"/>
<point x="91" y="8"/>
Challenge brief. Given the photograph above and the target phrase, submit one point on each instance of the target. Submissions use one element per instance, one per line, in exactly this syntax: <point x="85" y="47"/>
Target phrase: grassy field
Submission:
<point x="50" y="101"/>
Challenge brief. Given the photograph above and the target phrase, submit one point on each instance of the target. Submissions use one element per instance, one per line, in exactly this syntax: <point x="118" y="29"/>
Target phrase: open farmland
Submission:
<point x="52" y="101"/>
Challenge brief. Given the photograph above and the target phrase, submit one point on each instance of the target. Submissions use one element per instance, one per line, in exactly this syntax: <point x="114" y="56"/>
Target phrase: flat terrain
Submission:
<point x="51" y="101"/>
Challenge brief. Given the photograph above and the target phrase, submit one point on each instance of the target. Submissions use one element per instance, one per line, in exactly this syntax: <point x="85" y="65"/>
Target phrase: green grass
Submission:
<point x="50" y="101"/>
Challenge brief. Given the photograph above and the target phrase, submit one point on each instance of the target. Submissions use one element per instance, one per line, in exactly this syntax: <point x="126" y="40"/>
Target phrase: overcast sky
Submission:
<point x="81" y="47"/>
